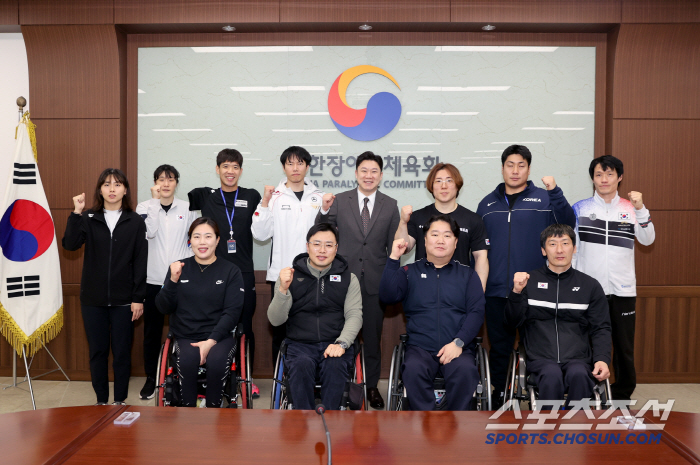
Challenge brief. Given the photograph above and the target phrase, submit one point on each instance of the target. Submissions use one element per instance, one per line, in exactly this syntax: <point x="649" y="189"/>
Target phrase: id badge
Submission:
<point x="231" y="246"/>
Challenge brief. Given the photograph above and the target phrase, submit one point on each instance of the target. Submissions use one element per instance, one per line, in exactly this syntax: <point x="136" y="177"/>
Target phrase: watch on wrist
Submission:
<point x="458" y="342"/>
<point x="343" y="345"/>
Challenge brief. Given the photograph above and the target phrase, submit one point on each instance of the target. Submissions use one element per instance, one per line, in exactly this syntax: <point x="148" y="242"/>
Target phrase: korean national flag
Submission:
<point x="335" y="278"/>
<point x="31" y="297"/>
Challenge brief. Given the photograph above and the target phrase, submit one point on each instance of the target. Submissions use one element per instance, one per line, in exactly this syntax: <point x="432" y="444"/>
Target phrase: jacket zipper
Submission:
<point x="318" y="316"/>
<point x="109" y="269"/>
<point x="510" y="209"/>
<point x="438" y="308"/>
<point x="556" y="326"/>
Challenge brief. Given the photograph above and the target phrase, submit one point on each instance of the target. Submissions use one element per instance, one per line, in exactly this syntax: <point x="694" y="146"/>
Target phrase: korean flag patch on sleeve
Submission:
<point x="335" y="278"/>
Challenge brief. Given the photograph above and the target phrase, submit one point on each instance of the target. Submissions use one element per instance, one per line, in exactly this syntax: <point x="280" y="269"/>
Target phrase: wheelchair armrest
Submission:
<point x="238" y="331"/>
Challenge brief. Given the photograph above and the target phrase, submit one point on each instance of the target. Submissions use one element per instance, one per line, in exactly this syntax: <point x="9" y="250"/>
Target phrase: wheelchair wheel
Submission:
<point x="248" y="373"/>
<point x="483" y="400"/>
<point x="364" y="378"/>
<point x="533" y="398"/>
<point x="243" y="375"/>
<point x="162" y="372"/>
<point x="278" y="395"/>
<point x="358" y="377"/>
<point x="395" y="393"/>
<point x="510" y="388"/>
<point x="601" y="395"/>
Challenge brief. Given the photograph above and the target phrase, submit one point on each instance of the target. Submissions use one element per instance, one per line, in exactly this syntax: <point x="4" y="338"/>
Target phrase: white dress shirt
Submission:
<point x="361" y="200"/>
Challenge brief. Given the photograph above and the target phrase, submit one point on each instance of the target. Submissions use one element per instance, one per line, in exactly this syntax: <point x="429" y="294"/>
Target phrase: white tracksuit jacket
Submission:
<point x="286" y="220"/>
<point x="167" y="235"/>
<point x="605" y="235"/>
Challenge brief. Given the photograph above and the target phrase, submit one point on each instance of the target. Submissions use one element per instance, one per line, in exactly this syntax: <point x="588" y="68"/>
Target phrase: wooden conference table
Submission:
<point x="87" y="435"/>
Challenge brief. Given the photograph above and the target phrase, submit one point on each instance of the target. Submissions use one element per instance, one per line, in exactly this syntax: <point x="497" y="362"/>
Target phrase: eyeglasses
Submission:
<point x="318" y="245"/>
<point x="448" y="181"/>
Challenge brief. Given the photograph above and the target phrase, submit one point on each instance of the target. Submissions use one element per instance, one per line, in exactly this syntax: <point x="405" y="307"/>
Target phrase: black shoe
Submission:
<point x="375" y="399"/>
<point x="149" y="389"/>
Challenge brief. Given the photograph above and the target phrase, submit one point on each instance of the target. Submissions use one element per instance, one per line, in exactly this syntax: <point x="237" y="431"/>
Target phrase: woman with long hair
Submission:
<point x="113" y="285"/>
<point x="204" y="297"/>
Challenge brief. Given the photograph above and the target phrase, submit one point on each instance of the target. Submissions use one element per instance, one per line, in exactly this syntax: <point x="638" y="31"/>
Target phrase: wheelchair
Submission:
<point x="396" y="393"/>
<point x="281" y="397"/>
<point x="520" y="388"/>
<point x="238" y="385"/>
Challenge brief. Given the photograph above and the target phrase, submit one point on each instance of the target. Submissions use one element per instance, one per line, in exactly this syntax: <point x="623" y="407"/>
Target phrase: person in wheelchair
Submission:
<point x="204" y="297"/>
<point x="320" y="301"/>
<point x="562" y="315"/>
<point x="444" y="305"/>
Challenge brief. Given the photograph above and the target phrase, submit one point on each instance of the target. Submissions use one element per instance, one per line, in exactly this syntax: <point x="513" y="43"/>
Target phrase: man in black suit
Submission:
<point x="367" y="221"/>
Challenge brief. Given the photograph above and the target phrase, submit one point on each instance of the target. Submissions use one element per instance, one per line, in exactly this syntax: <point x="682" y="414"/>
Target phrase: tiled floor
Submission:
<point x="50" y="394"/>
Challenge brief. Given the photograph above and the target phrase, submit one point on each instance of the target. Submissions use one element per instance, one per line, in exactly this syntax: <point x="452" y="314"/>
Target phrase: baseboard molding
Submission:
<point x="668" y="378"/>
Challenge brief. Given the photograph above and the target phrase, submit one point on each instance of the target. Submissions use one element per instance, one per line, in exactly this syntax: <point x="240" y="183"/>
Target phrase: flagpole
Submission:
<point x="21" y="103"/>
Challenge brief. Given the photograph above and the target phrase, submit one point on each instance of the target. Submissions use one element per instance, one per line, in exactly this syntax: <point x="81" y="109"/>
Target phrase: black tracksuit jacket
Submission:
<point x="562" y="317"/>
<point x="114" y="265"/>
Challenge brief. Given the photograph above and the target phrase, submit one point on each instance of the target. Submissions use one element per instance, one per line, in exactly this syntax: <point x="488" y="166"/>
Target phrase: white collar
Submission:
<point x="601" y="200"/>
<point x="371" y="197"/>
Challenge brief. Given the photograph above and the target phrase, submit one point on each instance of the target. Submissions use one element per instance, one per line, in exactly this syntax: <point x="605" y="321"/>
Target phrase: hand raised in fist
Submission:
<point x="79" y="203"/>
<point x="286" y="275"/>
<point x="636" y="199"/>
<point x="328" y="201"/>
<point x="520" y="281"/>
<point x="398" y="248"/>
<point x="549" y="182"/>
<point x="267" y="195"/>
<point x="176" y="271"/>
<point x="155" y="191"/>
<point x="406" y="212"/>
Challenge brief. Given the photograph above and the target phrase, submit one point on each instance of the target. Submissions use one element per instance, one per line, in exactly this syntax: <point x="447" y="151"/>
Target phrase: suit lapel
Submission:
<point x="355" y="209"/>
<point x="376" y="211"/>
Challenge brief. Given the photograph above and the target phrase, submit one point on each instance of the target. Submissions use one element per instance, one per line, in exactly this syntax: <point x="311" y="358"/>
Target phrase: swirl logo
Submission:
<point x="374" y="122"/>
<point x="26" y="231"/>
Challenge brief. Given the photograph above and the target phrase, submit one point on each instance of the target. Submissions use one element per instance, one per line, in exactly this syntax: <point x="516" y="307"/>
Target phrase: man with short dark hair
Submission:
<point x="285" y="214"/>
<point x="320" y="301"/>
<point x="444" y="305"/>
<point x="366" y="220"/>
<point x="563" y="318"/>
<point x="168" y="221"/>
<point x="444" y="183"/>
<point x="606" y="226"/>
<point x="232" y="207"/>
<point x="515" y="214"/>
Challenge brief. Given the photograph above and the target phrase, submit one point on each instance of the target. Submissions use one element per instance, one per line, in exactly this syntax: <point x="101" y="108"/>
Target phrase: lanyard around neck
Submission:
<point x="233" y="211"/>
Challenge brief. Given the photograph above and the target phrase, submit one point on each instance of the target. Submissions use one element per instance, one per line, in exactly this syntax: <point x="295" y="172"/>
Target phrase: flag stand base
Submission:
<point x="27" y="377"/>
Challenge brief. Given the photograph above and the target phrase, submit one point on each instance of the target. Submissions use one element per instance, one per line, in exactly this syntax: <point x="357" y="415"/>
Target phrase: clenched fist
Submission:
<point x="398" y="248"/>
<point x="176" y="271"/>
<point x="79" y="202"/>
<point x="549" y="182"/>
<point x="267" y="195"/>
<point x="636" y="199"/>
<point x="155" y="191"/>
<point x="327" y="201"/>
<point x="406" y="212"/>
<point x="520" y="281"/>
<point x="286" y="275"/>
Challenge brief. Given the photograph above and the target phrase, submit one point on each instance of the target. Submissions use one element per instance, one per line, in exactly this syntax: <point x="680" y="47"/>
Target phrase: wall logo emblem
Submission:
<point x="26" y="231"/>
<point x="374" y="122"/>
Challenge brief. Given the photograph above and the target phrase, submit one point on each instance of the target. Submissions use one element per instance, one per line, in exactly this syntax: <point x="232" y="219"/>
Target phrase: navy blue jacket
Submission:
<point x="514" y="231"/>
<point x="440" y="303"/>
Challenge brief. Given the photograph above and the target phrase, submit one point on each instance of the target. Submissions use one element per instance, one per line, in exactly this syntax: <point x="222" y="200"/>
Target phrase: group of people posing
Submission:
<point x="564" y="276"/>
